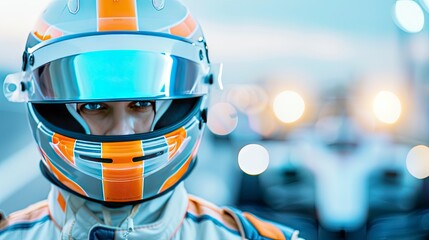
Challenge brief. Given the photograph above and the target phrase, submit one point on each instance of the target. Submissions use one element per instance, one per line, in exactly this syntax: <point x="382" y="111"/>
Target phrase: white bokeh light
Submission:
<point x="288" y="106"/>
<point x="418" y="161"/>
<point x="222" y="118"/>
<point x="253" y="159"/>
<point x="409" y="16"/>
<point x="387" y="107"/>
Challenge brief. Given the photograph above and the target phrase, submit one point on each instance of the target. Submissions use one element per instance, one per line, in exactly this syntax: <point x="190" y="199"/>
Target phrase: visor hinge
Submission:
<point x="23" y="86"/>
<point x="31" y="59"/>
<point x="210" y="79"/>
<point x="24" y="61"/>
<point x="17" y="87"/>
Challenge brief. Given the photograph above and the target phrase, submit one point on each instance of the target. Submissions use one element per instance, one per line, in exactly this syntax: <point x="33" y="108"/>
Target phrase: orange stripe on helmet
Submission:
<point x="63" y="178"/>
<point x="174" y="141"/>
<point x="191" y="23"/>
<point x="185" y="28"/>
<point x="117" y="15"/>
<point x="64" y="146"/>
<point x="44" y="31"/>
<point x="123" y="178"/>
<point x="266" y="229"/>
<point x="177" y="175"/>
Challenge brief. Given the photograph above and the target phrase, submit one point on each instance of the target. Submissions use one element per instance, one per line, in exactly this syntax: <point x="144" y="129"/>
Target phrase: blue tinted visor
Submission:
<point x="113" y="75"/>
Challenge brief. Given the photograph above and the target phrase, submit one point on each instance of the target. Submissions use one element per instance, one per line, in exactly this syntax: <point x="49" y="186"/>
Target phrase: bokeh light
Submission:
<point x="418" y="161"/>
<point x="263" y="123"/>
<point x="288" y="106"/>
<point x="248" y="98"/>
<point x="222" y="118"/>
<point x="409" y="16"/>
<point x="239" y="97"/>
<point x="259" y="100"/>
<point x="387" y="107"/>
<point x="253" y="159"/>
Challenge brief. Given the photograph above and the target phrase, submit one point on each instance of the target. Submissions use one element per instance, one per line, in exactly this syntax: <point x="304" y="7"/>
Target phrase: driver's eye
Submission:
<point x="92" y="107"/>
<point x="142" y="105"/>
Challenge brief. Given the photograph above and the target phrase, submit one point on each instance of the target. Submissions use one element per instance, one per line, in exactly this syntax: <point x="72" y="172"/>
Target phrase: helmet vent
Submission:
<point x="94" y="159"/>
<point x="142" y="158"/>
<point x="158" y="4"/>
<point x="73" y="6"/>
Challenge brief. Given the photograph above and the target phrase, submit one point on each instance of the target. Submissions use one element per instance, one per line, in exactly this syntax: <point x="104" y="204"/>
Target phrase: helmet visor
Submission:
<point x="112" y="75"/>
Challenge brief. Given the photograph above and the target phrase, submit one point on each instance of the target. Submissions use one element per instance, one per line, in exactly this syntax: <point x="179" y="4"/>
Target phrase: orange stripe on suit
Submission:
<point x="61" y="201"/>
<point x="200" y="207"/>
<point x="64" y="146"/>
<point x="122" y="179"/>
<point x="185" y="28"/>
<point x="117" y="15"/>
<point x="264" y="228"/>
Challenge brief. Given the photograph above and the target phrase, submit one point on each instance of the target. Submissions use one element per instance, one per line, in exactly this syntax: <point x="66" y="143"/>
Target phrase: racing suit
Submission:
<point x="175" y="215"/>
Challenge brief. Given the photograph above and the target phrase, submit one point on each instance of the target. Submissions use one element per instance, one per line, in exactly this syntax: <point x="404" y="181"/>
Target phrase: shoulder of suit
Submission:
<point x="37" y="212"/>
<point x="255" y="227"/>
<point x="199" y="208"/>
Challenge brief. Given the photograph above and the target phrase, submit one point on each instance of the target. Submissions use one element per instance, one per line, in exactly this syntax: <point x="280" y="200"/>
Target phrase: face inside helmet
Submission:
<point x="116" y="118"/>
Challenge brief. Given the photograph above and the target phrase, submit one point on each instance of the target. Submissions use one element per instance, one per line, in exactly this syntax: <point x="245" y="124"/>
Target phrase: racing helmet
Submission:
<point x="115" y="50"/>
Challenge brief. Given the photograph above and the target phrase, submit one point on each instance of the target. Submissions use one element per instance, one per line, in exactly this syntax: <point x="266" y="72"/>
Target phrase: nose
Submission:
<point x="121" y="124"/>
<point x="120" y="128"/>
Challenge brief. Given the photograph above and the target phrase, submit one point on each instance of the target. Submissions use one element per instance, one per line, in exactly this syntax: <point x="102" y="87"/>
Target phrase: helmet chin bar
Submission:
<point x="49" y="176"/>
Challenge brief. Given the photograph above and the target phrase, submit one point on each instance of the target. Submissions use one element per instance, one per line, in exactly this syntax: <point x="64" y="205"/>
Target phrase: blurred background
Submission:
<point x="322" y="123"/>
